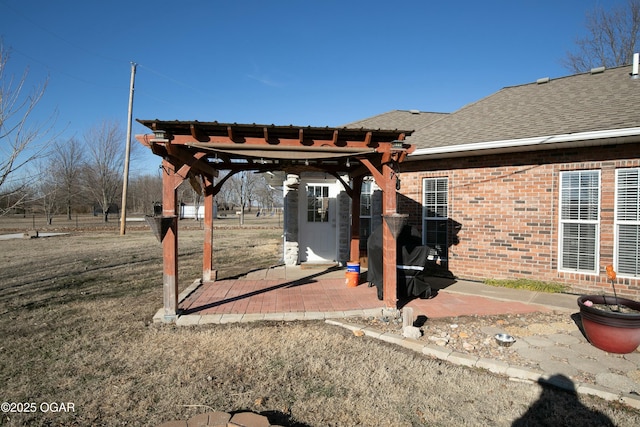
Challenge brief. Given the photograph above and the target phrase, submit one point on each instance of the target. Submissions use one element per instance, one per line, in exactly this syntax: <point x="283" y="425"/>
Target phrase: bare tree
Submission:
<point x="190" y="192"/>
<point x="66" y="163"/>
<point x="21" y="139"/>
<point x="145" y="190"/>
<point x="46" y="189"/>
<point x="267" y="196"/>
<point x="102" y="173"/>
<point x="223" y="198"/>
<point x="243" y="186"/>
<point x="611" y="41"/>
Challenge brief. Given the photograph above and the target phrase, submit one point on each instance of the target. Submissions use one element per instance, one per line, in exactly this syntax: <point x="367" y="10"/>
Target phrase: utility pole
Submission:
<point x="125" y="179"/>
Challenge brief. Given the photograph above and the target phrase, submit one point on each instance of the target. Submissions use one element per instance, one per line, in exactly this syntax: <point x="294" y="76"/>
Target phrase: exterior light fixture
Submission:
<point x="348" y="164"/>
<point x="159" y="136"/>
<point x="306" y="162"/>
<point x="397" y="144"/>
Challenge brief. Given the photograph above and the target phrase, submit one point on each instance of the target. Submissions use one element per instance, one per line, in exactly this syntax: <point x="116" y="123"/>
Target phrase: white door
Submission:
<point x="317" y="219"/>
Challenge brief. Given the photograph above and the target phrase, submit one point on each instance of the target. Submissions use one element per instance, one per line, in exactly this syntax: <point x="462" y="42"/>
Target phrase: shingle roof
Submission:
<point x="398" y="119"/>
<point x="601" y="101"/>
<point x="580" y="103"/>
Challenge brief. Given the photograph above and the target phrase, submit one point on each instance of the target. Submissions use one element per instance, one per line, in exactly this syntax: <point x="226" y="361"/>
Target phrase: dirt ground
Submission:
<point x="75" y="322"/>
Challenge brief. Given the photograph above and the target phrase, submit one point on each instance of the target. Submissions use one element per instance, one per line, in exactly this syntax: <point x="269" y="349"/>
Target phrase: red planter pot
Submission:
<point x="611" y="331"/>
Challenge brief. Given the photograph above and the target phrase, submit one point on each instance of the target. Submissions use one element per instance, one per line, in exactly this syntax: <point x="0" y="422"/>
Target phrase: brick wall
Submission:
<point x="507" y="208"/>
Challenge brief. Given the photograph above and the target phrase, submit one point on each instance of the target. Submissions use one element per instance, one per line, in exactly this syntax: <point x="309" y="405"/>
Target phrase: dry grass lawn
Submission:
<point x="75" y="322"/>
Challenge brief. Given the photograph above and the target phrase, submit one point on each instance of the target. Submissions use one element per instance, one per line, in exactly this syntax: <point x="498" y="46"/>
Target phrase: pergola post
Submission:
<point x="208" y="272"/>
<point x="355" y="218"/>
<point x="389" y="245"/>
<point x="170" y="183"/>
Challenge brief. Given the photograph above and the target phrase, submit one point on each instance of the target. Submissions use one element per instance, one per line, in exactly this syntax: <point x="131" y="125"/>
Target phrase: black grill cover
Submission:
<point x="411" y="258"/>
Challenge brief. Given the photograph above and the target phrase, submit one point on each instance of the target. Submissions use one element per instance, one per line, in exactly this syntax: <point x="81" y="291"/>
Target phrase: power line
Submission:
<point x="178" y="82"/>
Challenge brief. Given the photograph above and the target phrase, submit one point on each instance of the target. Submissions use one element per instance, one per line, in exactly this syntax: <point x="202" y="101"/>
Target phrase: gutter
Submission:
<point x="569" y="140"/>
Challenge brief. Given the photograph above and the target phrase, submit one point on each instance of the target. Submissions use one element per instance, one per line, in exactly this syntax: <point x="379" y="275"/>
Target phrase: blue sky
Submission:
<point x="318" y="63"/>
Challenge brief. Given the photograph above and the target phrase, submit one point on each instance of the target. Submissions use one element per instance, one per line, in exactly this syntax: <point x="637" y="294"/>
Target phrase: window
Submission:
<point x="365" y="213"/>
<point x="579" y="221"/>
<point x="318" y="203"/>
<point x="435" y="215"/>
<point x="627" y="252"/>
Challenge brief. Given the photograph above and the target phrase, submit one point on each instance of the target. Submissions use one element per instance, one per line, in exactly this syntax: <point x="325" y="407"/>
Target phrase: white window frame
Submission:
<point x="319" y="211"/>
<point x="563" y="222"/>
<point x="426" y="219"/>
<point x="618" y="222"/>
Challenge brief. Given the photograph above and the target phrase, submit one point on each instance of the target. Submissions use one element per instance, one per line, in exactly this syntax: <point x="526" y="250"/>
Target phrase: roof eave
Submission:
<point x="549" y="142"/>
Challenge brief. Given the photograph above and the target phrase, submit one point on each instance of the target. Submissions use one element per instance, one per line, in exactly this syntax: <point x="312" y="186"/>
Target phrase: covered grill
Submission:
<point x="412" y="259"/>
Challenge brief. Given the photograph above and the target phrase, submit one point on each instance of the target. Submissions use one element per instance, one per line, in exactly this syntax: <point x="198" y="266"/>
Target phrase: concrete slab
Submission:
<point x="563" y="339"/>
<point x="537" y="341"/>
<point x="561" y="352"/>
<point x="590" y="366"/>
<point x="617" y="382"/>
<point x="299" y="315"/>
<point x="462" y="359"/>
<point x="631" y="399"/>
<point x="616" y="363"/>
<point x="412" y="344"/>
<point x="633" y="357"/>
<point x="599" y="391"/>
<point x="436" y="351"/>
<point x="495" y="366"/>
<point x="190" y="320"/>
<point x="556" y="301"/>
<point x="391" y="338"/>
<point x="587" y="350"/>
<point x="314" y="315"/>
<point x="524" y="373"/>
<point x="371" y="332"/>
<point x="252" y="317"/>
<point x="555" y="367"/>
<point x="210" y="319"/>
<point x="535" y="354"/>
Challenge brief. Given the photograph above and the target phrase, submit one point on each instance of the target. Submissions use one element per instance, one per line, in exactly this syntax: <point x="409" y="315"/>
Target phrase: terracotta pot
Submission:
<point x="611" y="331"/>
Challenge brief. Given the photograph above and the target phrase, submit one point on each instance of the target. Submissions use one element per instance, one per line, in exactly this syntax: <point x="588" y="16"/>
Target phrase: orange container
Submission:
<point x="353" y="279"/>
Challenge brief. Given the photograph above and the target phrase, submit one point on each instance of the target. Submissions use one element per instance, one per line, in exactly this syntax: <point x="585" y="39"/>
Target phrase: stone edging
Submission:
<point x="514" y="373"/>
<point x="222" y="419"/>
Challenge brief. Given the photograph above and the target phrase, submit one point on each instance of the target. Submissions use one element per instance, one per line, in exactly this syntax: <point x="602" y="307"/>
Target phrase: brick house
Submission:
<point x="540" y="180"/>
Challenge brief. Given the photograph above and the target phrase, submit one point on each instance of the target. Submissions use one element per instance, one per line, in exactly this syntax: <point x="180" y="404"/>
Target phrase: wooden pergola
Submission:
<point x="203" y="151"/>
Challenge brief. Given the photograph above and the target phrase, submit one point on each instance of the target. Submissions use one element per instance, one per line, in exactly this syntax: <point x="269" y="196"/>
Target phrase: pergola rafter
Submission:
<point x="193" y="148"/>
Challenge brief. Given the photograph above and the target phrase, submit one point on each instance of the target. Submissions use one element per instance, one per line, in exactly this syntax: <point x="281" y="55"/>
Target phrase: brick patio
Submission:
<point x="302" y="290"/>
